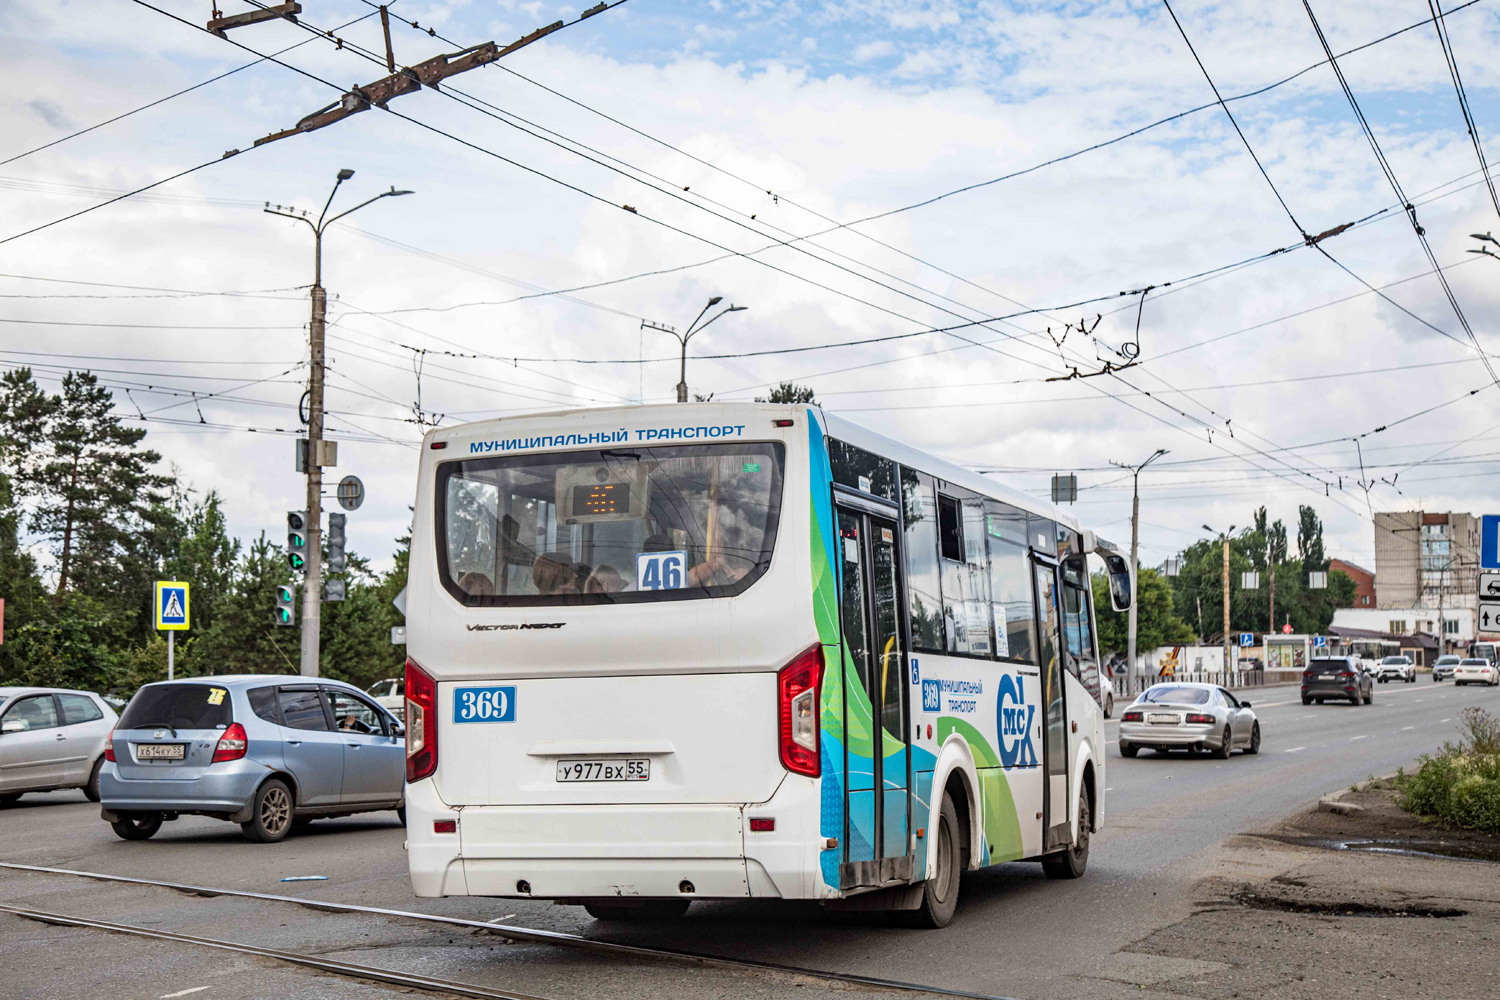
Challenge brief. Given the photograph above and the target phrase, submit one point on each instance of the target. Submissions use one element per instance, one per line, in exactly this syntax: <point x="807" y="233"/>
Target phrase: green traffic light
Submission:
<point x="295" y="561"/>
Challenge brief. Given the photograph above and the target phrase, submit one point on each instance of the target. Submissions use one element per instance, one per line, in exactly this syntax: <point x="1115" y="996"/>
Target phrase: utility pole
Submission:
<point x="1135" y="542"/>
<point x="1224" y="540"/>
<point x="692" y="330"/>
<point x="319" y="452"/>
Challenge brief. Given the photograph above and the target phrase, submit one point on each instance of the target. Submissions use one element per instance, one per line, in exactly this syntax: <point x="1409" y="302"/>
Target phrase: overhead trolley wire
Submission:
<point x="185" y="90"/>
<point x="1440" y="25"/>
<point x="1390" y="176"/>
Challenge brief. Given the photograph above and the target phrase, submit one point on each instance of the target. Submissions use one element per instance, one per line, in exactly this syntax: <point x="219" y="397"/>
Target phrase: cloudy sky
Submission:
<point x="743" y="133"/>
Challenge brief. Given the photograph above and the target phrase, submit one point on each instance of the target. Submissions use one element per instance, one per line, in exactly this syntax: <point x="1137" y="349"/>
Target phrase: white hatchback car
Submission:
<point x="51" y="739"/>
<point x="1476" y="671"/>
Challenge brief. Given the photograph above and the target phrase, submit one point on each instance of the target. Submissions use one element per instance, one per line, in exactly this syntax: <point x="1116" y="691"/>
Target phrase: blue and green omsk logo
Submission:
<point x="1013" y="718"/>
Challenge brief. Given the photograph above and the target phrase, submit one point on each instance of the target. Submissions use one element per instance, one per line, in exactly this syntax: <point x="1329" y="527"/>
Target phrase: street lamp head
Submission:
<point x="1484" y="236"/>
<point x="393" y="192"/>
<point x="1208" y="529"/>
<point x="736" y="309"/>
<point x="715" y="301"/>
<point x="345" y="174"/>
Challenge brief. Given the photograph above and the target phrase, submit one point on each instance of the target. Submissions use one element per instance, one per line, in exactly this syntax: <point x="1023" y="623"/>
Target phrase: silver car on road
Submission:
<point x="50" y="739"/>
<point x="266" y="752"/>
<point x="1188" y="716"/>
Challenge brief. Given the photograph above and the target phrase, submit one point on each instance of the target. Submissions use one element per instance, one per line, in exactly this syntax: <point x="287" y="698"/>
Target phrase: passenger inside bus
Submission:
<point x="604" y="580"/>
<point x="476" y="583"/>
<point x="553" y="574"/>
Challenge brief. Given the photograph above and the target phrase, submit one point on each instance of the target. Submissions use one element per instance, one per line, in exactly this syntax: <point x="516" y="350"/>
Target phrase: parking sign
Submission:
<point x="171" y="606"/>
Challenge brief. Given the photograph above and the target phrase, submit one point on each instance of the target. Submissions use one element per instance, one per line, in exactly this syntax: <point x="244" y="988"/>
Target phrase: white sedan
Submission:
<point x="1189" y="716"/>
<point x="1476" y="671"/>
<point x="391" y="694"/>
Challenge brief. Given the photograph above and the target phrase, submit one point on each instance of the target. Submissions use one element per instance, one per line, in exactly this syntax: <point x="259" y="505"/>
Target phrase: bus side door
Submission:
<point x="870" y="614"/>
<point x="1055" y="800"/>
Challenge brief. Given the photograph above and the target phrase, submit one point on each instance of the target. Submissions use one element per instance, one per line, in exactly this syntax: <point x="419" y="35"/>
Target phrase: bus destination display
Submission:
<point x="602" y="498"/>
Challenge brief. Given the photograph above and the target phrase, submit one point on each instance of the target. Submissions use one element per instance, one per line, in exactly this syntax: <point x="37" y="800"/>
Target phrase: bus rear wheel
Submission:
<point x="939" y="893"/>
<point x="651" y="909"/>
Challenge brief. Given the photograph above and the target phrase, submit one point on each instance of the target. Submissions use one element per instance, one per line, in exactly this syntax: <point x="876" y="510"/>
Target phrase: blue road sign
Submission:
<point x="1489" y="541"/>
<point x="1320" y="642"/>
<point x="171" y="606"/>
<point x="1247" y="639"/>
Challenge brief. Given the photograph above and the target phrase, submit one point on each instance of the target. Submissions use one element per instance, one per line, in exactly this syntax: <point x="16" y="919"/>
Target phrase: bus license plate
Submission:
<point x="160" y="751"/>
<point x="634" y="769"/>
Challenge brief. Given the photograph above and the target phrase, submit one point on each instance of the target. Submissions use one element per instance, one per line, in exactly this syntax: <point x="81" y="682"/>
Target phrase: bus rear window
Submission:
<point x="616" y="525"/>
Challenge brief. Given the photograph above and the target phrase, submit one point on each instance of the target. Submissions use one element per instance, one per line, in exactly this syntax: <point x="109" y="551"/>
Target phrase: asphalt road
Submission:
<point x="1016" y="934"/>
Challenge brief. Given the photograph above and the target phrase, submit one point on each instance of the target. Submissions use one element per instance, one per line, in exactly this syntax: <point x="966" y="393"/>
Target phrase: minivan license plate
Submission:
<point x="160" y="751"/>
<point x="633" y="769"/>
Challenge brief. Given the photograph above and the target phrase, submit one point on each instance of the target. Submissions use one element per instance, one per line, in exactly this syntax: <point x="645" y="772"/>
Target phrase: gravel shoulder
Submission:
<point x="1371" y="903"/>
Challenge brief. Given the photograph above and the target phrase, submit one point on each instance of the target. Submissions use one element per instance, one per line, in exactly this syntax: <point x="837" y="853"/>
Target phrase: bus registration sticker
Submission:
<point x="484" y="704"/>
<point x="660" y="570"/>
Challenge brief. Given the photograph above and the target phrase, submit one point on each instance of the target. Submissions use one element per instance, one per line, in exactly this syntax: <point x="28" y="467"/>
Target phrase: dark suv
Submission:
<point x="1336" y="677"/>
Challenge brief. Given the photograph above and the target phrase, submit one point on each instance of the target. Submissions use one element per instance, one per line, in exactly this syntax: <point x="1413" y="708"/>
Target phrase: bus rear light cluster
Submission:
<point x="797" y="688"/>
<point x="232" y="744"/>
<point x="421" y="723"/>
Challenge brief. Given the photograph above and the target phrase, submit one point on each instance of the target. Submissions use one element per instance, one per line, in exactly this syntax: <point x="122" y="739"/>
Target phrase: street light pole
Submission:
<point x="1135" y="541"/>
<point x="692" y="330"/>
<point x="312" y="581"/>
<point x="1224" y="539"/>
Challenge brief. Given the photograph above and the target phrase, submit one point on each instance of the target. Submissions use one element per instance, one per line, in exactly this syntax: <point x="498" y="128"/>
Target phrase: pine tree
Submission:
<point x="25" y="409"/>
<point x="789" y="392"/>
<point x="96" y="490"/>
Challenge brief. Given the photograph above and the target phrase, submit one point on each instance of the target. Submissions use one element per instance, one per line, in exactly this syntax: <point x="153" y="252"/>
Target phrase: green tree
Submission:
<point x="1157" y="621"/>
<point x="789" y="392"/>
<point x="96" y="490"/>
<point x="1310" y="539"/>
<point x="25" y="409"/>
<point x="20" y="584"/>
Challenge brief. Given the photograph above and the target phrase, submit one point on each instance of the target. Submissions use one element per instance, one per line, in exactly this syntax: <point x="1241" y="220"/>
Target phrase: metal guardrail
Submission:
<point x="1130" y="686"/>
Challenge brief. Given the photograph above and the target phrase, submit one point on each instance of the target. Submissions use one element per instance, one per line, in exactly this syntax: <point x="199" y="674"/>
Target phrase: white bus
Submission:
<point x="708" y="651"/>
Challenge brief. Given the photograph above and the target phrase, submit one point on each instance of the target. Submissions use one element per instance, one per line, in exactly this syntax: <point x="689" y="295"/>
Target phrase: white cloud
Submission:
<point x="981" y="95"/>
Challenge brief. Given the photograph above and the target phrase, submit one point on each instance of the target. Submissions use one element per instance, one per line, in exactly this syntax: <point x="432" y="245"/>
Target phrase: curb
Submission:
<point x="1334" y="802"/>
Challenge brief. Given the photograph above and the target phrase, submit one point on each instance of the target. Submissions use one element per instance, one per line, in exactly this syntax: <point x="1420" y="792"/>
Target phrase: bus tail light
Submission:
<point x="797" y="686"/>
<point x="421" y="723"/>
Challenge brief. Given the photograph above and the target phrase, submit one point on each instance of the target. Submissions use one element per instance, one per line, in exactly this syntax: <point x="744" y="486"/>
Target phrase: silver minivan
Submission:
<point x="268" y="752"/>
<point x="51" y="738"/>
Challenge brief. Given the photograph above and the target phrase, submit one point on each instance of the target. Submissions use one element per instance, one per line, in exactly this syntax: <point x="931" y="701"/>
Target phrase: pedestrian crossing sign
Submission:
<point x="171" y="606"/>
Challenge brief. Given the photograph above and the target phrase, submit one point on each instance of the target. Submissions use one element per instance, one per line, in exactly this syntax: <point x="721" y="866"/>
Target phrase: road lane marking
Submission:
<point x="1405" y="728"/>
<point x="1441" y="721"/>
<point x="1364" y="737"/>
<point x="1294" y="749"/>
<point x="183" y="993"/>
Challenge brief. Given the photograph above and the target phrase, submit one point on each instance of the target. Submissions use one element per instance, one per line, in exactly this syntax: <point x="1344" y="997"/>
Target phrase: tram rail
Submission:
<point x="529" y="934"/>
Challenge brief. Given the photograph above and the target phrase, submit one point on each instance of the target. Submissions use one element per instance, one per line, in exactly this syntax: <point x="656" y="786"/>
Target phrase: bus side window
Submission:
<point x="1010" y="582"/>
<point x="919" y="501"/>
<point x="1078" y="628"/>
<point x="965" y="574"/>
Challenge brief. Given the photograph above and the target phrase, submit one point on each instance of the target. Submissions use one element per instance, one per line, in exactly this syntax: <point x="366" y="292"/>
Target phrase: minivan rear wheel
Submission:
<point x="140" y="826"/>
<point x="271" y="815"/>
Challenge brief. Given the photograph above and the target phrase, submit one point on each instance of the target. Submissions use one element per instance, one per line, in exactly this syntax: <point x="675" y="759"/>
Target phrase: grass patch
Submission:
<point x="1460" y="784"/>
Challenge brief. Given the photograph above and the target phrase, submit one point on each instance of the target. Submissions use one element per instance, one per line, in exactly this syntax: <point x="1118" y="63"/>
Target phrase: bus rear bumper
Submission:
<point x="622" y="850"/>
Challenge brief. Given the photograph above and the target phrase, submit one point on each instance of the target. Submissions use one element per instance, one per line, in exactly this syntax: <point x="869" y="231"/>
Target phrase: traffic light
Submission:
<point x="333" y="590"/>
<point x="296" y="539"/>
<point x="286" y="604"/>
<point x="336" y="557"/>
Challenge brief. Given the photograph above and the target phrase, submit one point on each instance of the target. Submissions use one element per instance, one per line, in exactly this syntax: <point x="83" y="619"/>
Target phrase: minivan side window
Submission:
<point x="303" y="710"/>
<point x="263" y="704"/>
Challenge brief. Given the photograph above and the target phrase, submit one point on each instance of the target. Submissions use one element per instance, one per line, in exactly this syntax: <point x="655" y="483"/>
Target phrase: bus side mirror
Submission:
<point x="1119" y="580"/>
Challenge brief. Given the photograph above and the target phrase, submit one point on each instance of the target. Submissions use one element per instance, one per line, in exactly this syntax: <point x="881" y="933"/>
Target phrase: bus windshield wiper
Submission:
<point x="615" y="453"/>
